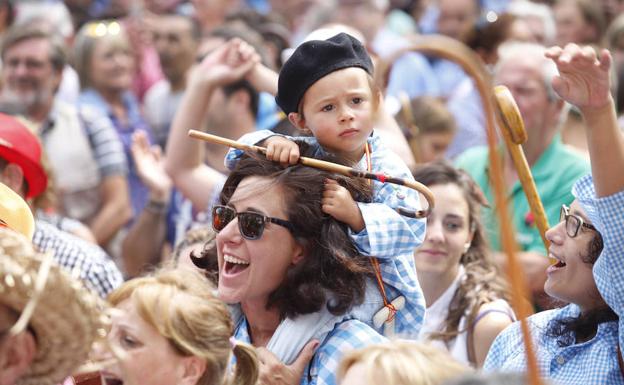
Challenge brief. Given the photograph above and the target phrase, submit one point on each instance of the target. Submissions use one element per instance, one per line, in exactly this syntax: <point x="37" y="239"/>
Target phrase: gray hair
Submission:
<point x="525" y="9"/>
<point x="514" y="49"/>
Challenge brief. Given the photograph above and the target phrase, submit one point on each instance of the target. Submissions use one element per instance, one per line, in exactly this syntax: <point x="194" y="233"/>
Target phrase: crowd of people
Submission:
<point x="131" y="253"/>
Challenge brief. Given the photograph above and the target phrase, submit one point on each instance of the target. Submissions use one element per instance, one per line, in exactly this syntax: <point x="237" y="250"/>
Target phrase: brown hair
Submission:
<point x="181" y="306"/>
<point x="483" y="282"/>
<point x="332" y="267"/>
<point x="28" y="31"/>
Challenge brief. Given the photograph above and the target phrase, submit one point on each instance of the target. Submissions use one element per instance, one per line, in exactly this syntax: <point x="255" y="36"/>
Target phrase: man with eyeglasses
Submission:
<point x="84" y="151"/>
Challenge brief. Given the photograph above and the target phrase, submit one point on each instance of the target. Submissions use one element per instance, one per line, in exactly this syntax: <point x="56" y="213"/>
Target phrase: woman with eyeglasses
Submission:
<point x="283" y="262"/>
<point x="103" y="58"/>
<point x="580" y="342"/>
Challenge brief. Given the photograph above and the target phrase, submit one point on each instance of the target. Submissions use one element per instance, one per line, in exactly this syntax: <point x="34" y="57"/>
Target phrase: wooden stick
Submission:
<point x="514" y="134"/>
<point x="453" y="50"/>
<point x="335" y="168"/>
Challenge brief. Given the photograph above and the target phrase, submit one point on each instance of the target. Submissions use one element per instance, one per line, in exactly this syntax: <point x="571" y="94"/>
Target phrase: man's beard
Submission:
<point x="21" y="102"/>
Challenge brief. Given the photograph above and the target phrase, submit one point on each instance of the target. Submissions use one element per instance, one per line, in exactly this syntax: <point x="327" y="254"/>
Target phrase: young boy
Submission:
<point x="326" y="89"/>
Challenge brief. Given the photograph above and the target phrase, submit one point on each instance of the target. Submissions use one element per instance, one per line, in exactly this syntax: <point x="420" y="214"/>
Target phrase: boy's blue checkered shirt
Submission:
<point x="594" y="361"/>
<point x="388" y="235"/>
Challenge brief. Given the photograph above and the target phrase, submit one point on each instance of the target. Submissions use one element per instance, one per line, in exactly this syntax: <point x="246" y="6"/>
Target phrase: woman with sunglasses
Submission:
<point x="283" y="262"/>
<point x="578" y="343"/>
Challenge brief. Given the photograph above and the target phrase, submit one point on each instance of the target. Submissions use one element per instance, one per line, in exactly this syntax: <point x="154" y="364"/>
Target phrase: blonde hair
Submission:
<point x="84" y="45"/>
<point x="181" y="306"/>
<point x="403" y="363"/>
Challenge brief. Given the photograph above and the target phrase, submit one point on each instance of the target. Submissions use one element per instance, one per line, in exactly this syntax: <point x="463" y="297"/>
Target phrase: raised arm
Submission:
<point x="584" y="82"/>
<point x="184" y="156"/>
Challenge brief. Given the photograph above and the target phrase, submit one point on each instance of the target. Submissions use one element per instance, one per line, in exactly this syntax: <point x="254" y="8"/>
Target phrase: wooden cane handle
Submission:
<point x="509" y="114"/>
<point x="512" y="129"/>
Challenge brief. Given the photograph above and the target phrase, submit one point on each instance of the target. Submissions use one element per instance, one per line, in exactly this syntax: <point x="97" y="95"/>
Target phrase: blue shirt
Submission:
<point x="90" y="97"/>
<point x="346" y="336"/>
<point x="594" y="361"/>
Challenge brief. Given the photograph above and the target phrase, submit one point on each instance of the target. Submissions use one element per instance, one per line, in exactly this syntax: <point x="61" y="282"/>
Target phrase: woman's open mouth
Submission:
<point x="111" y="379"/>
<point x="233" y="265"/>
<point x="555" y="266"/>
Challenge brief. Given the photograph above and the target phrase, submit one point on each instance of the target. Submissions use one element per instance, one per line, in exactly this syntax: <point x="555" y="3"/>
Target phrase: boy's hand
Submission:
<point x="338" y="202"/>
<point x="280" y="149"/>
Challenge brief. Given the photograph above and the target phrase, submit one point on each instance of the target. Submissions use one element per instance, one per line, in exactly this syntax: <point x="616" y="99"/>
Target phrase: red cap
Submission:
<point x="18" y="145"/>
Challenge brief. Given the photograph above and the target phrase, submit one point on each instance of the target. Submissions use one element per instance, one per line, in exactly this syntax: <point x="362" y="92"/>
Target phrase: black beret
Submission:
<point x="314" y="59"/>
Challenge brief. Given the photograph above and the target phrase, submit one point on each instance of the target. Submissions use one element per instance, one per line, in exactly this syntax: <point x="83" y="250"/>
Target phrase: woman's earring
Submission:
<point x="466" y="246"/>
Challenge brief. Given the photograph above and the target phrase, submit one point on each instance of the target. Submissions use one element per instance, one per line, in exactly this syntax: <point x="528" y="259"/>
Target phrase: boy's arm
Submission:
<point x="388" y="233"/>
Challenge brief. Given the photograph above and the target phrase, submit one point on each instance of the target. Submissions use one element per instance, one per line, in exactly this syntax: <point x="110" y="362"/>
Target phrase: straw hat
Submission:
<point x="15" y="213"/>
<point x="66" y="320"/>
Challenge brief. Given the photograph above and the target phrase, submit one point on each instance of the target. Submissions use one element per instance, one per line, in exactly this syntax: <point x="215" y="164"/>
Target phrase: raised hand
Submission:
<point x="583" y="75"/>
<point x="227" y="64"/>
<point x="150" y="167"/>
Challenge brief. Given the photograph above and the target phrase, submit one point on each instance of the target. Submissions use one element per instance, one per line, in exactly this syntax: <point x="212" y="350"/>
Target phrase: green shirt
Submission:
<point x="554" y="172"/>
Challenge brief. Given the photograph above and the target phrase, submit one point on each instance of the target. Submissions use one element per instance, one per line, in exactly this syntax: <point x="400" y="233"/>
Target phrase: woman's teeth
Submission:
<point x="231" y="259"/>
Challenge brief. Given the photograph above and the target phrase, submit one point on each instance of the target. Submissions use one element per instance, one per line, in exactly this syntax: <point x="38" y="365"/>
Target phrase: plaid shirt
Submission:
<point x="388" y="235"/>
<point x="346" y="336"/>
<point x="94" y="266"/>
<point x="594" y="361"/>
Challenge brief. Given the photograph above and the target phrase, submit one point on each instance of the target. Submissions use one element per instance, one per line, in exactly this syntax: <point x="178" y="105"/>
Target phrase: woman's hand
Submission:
<point x="338" y="202"/>
<point x="226" y="64"/>
<point x="583" y="76"/>
<point x="280" y="149"/>
<point x="150" y="167"/>
<point x="274" y="372"/>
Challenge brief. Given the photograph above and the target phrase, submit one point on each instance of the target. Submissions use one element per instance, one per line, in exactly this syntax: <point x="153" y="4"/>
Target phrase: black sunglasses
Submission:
<point x="573" y="223"/>
<point x="250" y="224"/>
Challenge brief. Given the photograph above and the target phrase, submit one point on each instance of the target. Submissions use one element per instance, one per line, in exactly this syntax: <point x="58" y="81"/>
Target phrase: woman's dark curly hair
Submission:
<point x="483" y="283"/>
<point x="584" y="326"/>
<point x="333" y="271"/>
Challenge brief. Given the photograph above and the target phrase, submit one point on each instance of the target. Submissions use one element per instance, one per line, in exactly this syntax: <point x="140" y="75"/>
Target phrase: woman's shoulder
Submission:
<point x="346" y="336"/>
<point x="351" y="333"/>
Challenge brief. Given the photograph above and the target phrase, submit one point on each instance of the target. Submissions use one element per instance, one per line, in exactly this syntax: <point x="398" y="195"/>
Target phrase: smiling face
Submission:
<point x="148" y="357"/>
<point x="571" y="279"/>
<point x="540" y="113"/>
<point x="339" y="110"/>
<point x="448" y="233"/>
<point x="111" y="65"/>
<point x="28" y="75"/>
<point x="249" y="270"/>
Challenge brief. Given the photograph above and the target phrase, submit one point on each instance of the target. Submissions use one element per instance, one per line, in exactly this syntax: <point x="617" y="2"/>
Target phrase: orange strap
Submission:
<point x="374" y="261"/>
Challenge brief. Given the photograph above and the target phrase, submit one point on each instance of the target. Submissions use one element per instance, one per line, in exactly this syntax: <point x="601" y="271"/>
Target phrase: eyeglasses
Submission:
<point x="573" y="222"/>
<point x="250" y="224"/>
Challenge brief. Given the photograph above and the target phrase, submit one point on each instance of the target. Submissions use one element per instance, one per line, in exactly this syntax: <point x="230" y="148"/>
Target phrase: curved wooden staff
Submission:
<point x="512" y="128"/>
<point x="457" y="52"/>
<point x="335" y="168"/>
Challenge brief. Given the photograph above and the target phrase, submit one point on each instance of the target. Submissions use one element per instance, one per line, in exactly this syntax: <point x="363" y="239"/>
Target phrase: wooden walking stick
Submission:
<point x="514" y="134"/>
<point x="453" y="50"/>
<point x="335" y="168"/>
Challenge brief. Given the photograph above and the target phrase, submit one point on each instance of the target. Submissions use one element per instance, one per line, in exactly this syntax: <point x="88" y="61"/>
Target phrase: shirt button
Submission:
<point x="560" y="360"/>
<point x="400" y="195"/>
